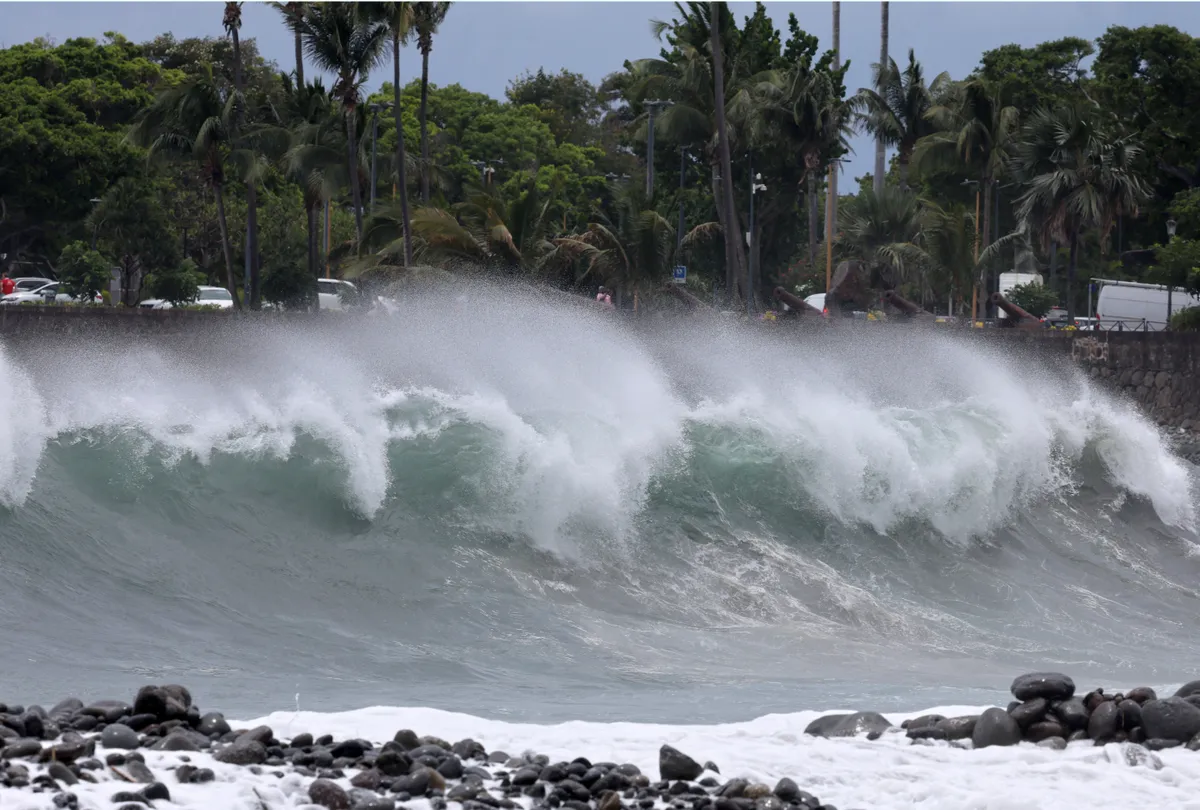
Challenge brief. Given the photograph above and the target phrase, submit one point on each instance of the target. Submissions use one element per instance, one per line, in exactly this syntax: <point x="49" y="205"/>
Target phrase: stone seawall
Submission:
<point x="1158" y="370"/>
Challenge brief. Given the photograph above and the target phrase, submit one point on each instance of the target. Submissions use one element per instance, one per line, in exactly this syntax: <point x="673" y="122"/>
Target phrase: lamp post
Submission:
<point x="1171" y="226"/>
<point x="755" y="187"/>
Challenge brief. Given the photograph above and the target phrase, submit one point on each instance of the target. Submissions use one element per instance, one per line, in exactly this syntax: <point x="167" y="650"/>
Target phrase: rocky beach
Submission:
<point x="161" y="750"/>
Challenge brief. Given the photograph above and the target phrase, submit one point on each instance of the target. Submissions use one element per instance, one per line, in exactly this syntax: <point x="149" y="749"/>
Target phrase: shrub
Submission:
<point x="82" y="271"/>
<point x="1034" y="298"/>
<point x="1186" y="320"/>
<point x="177" y="286"/>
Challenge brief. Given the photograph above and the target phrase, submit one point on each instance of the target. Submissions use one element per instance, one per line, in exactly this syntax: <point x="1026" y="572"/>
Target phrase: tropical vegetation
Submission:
<point x="181" y="161"/>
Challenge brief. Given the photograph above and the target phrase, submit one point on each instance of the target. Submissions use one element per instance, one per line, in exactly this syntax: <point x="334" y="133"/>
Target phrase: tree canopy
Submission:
<point x="195" y="159"/>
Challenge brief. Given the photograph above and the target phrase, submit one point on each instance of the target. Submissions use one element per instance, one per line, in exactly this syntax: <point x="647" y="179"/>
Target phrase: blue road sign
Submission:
<point x="680" y="274"/>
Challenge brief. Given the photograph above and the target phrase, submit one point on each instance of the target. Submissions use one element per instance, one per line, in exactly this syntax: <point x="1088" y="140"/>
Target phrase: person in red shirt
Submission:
<point x="7" y="285"/>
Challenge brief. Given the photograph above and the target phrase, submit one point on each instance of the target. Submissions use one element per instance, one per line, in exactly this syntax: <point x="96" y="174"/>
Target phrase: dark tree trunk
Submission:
<point x="299" y="61"/>
<point x="813" y="221"/>
<point x="735" y="255"/>
<point x="424" y="127"/>
<point x="225" y="247"/>
<point x="355" y="180"/>
<point x="252" y="241"/>
<point x="1071" y="262"/>
<point x="401" y="171"/>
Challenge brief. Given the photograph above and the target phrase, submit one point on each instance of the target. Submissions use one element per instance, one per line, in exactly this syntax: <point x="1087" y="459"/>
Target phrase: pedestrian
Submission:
<point x="7" y="285"/>
<point x="604" y="298"/>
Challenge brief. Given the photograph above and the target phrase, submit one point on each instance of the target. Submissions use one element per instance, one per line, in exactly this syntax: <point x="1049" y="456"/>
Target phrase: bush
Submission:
<point x="1186" y="320"/>
<point x="179" y="287"/>
<point x="1035" y="298"/>
<point x="82" y="271"/>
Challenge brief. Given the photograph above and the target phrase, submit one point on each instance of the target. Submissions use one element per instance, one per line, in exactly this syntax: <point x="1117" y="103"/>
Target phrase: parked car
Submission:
<point x="817" y="301"/>
<point x="30" y="283"/>
<point x="216" y="297"/>
<point x="45" y="294"/>
<point x="332" y="292"/>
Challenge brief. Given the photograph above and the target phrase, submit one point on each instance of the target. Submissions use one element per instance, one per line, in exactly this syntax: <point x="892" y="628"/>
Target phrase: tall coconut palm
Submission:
<point x="293" y="13"/>
<point x="688" y="81"/>
<point x="884" y="230"/>
<point x="426" y="17"/>
<point x="1081" y="176"/>
<point x="315" y="156"/>
<point x="232" y="22"/>
<point x="895" y="109"/>
<point x="191" y="121"/>
<point x="732" y="239"/>
<point x="831" y="215"/>
<point x="880" y="143"/>
<point x="349" y="44"/>
<point x="976" y="131"/>
<point x="398" y="17"/>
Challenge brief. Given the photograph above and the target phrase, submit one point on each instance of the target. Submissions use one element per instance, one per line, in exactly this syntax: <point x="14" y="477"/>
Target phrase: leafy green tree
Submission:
<point x="133" y="228"/>
<point x="1034" y="298"/>
<point x="1047" y="75"/>
<point x="896" y="109"/>
<point x="191" y="122"/>
<point x="1080" y="177"/>
<point x="82" y="271"/>
<point x="178" y="285"/>
<point x="1177" y="264"/>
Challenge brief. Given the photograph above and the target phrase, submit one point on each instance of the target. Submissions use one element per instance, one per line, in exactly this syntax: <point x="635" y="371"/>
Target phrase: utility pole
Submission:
<point x="651" y="106"/>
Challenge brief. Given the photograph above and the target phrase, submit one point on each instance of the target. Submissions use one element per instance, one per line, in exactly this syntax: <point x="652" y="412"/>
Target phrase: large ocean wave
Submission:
<point x="497" y="491"/>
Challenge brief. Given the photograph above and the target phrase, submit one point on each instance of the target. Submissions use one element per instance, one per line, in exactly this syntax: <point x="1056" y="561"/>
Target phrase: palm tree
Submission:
<point x="831" y="215"/>
<point x="398" y="17"/>
<point x="718" y="60"/>
<point x="689" y="81"/>
<point x="1080" y="176"/>
<point x="977" y="131"/>
<point x="895" y="110"/>
<point x="880" y="143"/>
<point x="232" y="22"/>
<point x="341" y="40"/>
<point x="426" y="17"/>
<point x="191" y="121"/>
<point x="315" y="156"/>
<point x="884" y="229"/>
<point x="293" y="13"/>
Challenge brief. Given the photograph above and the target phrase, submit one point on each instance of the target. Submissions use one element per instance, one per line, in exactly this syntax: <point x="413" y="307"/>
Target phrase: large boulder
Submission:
<point x="1048" y="685"/>
<point x="849" y="725"/>
<point x="675" y="765"/>
<point x="1171" y="719"/>
<point x="995" y="727"/>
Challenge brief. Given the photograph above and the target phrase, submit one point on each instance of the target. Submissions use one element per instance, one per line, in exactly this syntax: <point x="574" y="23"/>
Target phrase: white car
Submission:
<point x="30" y="283"/>
<point x="216" y="297"/>
<point x="330" y="291"/>
<point x="45" y="294"/>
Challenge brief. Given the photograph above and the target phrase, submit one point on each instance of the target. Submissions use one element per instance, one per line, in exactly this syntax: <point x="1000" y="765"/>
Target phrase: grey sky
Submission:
<point x="482" y="45"/>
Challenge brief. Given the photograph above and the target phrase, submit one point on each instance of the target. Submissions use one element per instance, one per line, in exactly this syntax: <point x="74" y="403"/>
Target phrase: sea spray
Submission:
<point x="493" y="501"/>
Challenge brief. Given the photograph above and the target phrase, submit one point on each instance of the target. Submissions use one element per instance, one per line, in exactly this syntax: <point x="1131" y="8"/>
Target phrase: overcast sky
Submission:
<point x="482" y="45"/>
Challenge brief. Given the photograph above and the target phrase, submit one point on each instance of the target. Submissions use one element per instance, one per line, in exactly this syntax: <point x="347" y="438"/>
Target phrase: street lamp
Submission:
<point x="755" y="187"/>
<point x="1171" y="226"/>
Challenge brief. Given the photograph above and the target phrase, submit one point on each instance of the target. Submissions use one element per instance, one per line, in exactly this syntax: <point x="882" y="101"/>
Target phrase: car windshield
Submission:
<point x="31" y="283"/>
<point x="215" y="295"/>
<point x="49" y="288"/>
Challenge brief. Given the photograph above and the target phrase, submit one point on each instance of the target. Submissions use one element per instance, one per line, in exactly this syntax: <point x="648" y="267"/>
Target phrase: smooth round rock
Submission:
<point x="1189" y="688"/>
<point x="119" y="735"/>
<point x="995" y="727"/>
<point x="1171" y="719"/>
<point x="1103" y="723"/>
<point x="329" y="795"/>
<point x="673" y="765"/>
<point x="1030" y="712"/>
<point x="1049" y="685"/>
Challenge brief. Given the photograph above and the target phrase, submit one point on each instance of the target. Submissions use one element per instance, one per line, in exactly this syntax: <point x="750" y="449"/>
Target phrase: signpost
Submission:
<point x="679" y="274"/>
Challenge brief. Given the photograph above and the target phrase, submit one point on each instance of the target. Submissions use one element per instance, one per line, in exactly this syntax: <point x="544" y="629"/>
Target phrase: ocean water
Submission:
<point x="520" y="511"/>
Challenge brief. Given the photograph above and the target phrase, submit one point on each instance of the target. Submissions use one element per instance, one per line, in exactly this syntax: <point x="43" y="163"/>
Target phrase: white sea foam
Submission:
<point x="885" y="774"/>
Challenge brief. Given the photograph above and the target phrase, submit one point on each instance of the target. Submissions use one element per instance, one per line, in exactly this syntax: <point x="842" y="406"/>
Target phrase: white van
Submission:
<point x="1133" y="305"/>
